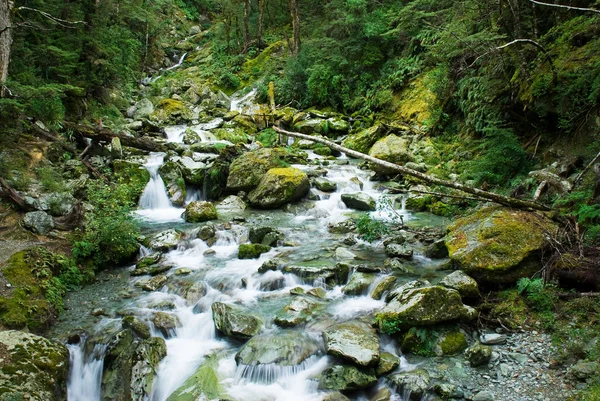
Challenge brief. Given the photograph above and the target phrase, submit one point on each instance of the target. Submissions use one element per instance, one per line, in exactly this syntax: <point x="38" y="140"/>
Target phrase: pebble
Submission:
<point x="493" y="339"/>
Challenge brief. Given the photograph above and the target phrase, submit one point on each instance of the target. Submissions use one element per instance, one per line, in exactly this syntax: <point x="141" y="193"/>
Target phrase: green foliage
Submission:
<point x="370" y="229"/>
<point x="50" y="179"/>
<point x="110" y="232"/>
<point x="540" y="296"/>
<point x="268" y="137"/>
<point x="577" y="204"/>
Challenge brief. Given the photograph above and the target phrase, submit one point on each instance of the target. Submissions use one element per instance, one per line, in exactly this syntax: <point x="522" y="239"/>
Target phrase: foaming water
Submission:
<point x="175" y="133"/>
<point x="356" y="306"/>
<point x="85" y="374"/>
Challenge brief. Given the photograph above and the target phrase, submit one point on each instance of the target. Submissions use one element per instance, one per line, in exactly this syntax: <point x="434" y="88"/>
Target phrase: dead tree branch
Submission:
<point x="565" y="7"/>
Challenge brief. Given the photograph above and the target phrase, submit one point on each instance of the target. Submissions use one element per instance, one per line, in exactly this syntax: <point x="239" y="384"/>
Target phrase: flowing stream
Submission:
<point x="225" y="278"/>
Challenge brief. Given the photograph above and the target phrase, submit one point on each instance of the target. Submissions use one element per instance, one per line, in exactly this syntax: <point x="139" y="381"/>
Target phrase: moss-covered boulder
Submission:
<point x="139" y="328"/>
<point x="424" y="306"/>
<point x="299" y="311"/>
<point x="32" y="367"/>
<point x="459" y="281"/>
<point x="284" y="348"/>
<point x="133" y="175"/>
<point x="279" y="186"/>
<point x="118" y="364"/>
<point x="172" y="176"/>
<point x="252" y="251"/>
<point x="200" y="211"/>
<point x="192" y="171"/>
<point x="478" y="354"/>
<point x="202" y="385"/>
<point x="331" y="274"/>
<point x="388" y="362"/>
<point x="498" y="245"/>
<point x="234" y="135"/>
<point x="359" y="201"/>
<point x="346" y="378"/>
<point x="363" y="140"/>
<point x="382" y="286"/>
<point x="171" y="111"/>
<point x="235" y="321"/>
<point x="354" y="341"/>
<point x="359" y="283"/>
<point x="438" y="341"/>
<point x="393" y="149"/>
<point x="146" y="358"/>
<point x="247" y="170"/>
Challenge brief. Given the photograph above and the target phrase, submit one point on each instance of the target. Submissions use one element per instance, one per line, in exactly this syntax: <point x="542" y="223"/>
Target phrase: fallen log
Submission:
<point x="490" y="196"/>
<point x="11" y="194"/>
<point x="106" y="135"/>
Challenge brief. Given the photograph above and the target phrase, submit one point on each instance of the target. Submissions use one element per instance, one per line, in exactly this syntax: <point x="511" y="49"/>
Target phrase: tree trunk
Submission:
<point x="246" y="24"/>
<point x="261" y="13"/>
<point x="104" y="134"/>
<point x="295" y="26"/>
<point x="490" y="196"/>
<point x="5" y="42"/>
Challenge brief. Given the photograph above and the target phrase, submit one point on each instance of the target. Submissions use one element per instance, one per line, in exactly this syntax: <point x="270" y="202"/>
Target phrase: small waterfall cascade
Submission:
<point x="244" y="103"/>
<point x="155" y="194"/>
<point x="85" y="374"/>
<point x="179" y="63"/>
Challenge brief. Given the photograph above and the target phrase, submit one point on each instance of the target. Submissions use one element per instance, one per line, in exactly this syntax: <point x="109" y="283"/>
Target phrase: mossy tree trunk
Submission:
<point x="246" y="25"/>
<point x="490" y="196"/>
<point x="295" y="14"/>
<point x="5" y="42"/>
<point x="261" y="13"/>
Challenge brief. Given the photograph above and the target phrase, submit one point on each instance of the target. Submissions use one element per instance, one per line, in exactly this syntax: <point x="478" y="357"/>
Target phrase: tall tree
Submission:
<point x="295" y="26"/>
<point x="246" y="24"/>
<point x="5" y="41"/>
<point x="261" y="12"/>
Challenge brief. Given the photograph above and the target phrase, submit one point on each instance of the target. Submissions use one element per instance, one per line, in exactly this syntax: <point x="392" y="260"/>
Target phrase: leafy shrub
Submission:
<point x="540" y="296"/>
<point x="370" y="229"/>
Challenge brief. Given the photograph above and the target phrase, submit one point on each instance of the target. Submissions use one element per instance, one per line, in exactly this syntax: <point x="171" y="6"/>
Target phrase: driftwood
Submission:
<point x="11" y="194"/>
<point x="490" y="196"/>
<point x="106" y="135"/>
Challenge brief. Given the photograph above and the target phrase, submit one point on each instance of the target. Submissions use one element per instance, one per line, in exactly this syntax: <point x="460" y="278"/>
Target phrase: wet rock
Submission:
<point x="447" y="390"/>
<point x="279" y="186"/>
<point x="272" y="283"/>
<point x="342" y="253"/>
<point x="232" y="204"/>
<point x="584" y="370"/>
<point x="204" y="384"/>
<point x="257" y="234"/>
<point x="359" y="201"/>
<point x="493" y="339"/>
<point x="206" y="232"/>
<point x="343" y="227"/>
<point x="192" y="292"/>
<point x="297" y="291"/>
<point x="148" y="261"/>
<point x="346" y="378"/>
<point x="387" y="363"/>
<point x="200" y="211"/>
<point x="32" y="367"/>
<point x="392" y="149"/>
<point x="173" y="178"/>
<point x="299" y="311"/>
<point x="478" y="354"/>
<point x="335" y="396"/>
<point x="252" y="251"/>
<point x="417" y="381"/>
<point x="437" y="250"/>
<point x="146" y="358"/>
<point x="422" y="307"/>
<point x="246" y="171"/>
<point x="353" y="341"/>
<point x="317" y="292"/>
<point x="459" y="281"/>
<point x="118" y="364"/>
<point x="384" y="285"/>
<point x="192" y="171"/>
<point x="332" y="275"/>
<point x="359" y="283"/>
<point x="166" y="323"/>
<point x="398" y="251"/>
<point x="325" y="185"/>
<point x="285" y="348"/>
<point x="434" y="341"/>
<point x="235" y="321"/>
<point x="484" y="396"/>
<point x="498" y="245"/>
<point x="382" y="394"/>
<point x="39" y="222"/>
<point x="363" y="140"/>
<point x="272" y="238"/>
<point x="401" y="289"/>
<point x="155" y="283"/>
<point x="138" y="327"/>
<point x="269" y="265"/>
<point x="166" y="240"/>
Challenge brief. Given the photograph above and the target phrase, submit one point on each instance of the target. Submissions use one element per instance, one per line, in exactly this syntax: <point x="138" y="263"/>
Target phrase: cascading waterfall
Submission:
<point x="85" y="375"/>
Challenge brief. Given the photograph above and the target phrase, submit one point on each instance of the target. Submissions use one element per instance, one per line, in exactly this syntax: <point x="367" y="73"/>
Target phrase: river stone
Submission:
<point x="342" y="253"/>
<point x="155" y="283"/>
<point x="459" y="281"/>
<point x="142" y="109"/>
<point x="497" y="244"/>
<point x="359" y="283"/>
<point x="417" y="381"/>
<point x="166" y="240"/>
<point x="32" y="367"/>
<point x="204" y="384"/>
<point x="423" y="307"/>
<point x="148" y="261"/>
<point x="325" y="185"/>
<point x="200" y="211"/>
<point x="257" y="234"/>
<point x="384" y="285"/>
<point x="318" y="292"/>
<point x="206" y="232"/>
<point x="299" y="311"/>
<point x="284" y="348"/>
<point x="246" y="171"/>
<point x="387" y="363"/>
<point x="335" y="396"/>
<point x="478" y="354"/>
<point x="346" y="378"/>
<point x="584" y="370"/>
<point x="235" y="321"/>
<point x="492" y="339"/>
<point x="192" y="292"/>
<point x="363" y="140"/>
<point x="39" y="222"/>
<point x="172" y="176"/>
<point x="252" y="251"/>
<point x="353" y="341"/>
<point x="359" y="201"/>
<point x="146" y="358"/>
<point x="398" y="251"/>
<point x="140" y="328"/>
<point x="391" y="149"/>
<point x="484" y="396"/>
<point x="332" y="275"/>
<point x="232" y="204"/>
<point x="401" y="289"/>
<point x="192" y="171"/>
<point x="434" y="341"/>
<point x="118" y="364"/>
<point x="437" y="250"/>
<point x="166" y="323"/>
<point x="279" y="186"/>
<point x="382" y="394"/>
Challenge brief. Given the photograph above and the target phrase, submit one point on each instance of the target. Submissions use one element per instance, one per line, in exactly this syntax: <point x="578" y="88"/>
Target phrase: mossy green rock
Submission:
<point x="247" y="170"/>
<point x="384" y="285"/>
<point x="140" y="328"/>
<point x="146" y="358"/>
<point x="234" y="135"/>
<point x="346" y="378"/>
<point x="172" y="176"/>
<point x="498" y="245"/>
<point x="118" y="364"/>
<point x="284" y="348"/>
<point x="439" y="341"/>
<point x="32" y="367"/>
<point x="459" y="281"/>
<point x="387" y="363"/>
<point x="332" y="275"/>
<point x="393" y="149"/>
<point x="359" y="283"/>
<point x="478" y="354"/>
<point x="202" y="385"/>
<point x="200" y="211"/>
<point x="279" y="186"/>
<point x="171" y="111"/>
<point x="132" y="174"/>
<point x="354" y="341"/>
<point x="235" y="321"/>
<point x="359" y="201"/>
<point x="299" y="311"/>
<point x="363" y="140"/>
<point x="252" y="251"/>
<point x="325" y="185"/>
<point x="417" y="381"/>
<point x="423" y="307"/>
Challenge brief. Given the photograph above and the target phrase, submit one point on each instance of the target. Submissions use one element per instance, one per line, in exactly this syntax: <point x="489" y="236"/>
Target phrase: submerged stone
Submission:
<point x="235" y="321"/>
<point x="285" y="348"/>
<point x="346" y="378"/>
<point x="354" y="341"/>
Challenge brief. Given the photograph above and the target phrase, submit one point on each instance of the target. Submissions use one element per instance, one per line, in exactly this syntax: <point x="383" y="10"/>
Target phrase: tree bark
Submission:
<point x="490" y="196"/>
<point x="261" y="13"/>
<point x="295" y="14"/>
<point x="246" y="24"/>
<point x="5" y="42"/>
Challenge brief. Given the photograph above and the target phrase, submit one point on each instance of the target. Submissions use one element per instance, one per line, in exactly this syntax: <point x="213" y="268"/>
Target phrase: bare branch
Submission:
<point x="585" y="170"/>
<point x="516" y="41"/>
<point x="566" y="7"/>
<point x="59" y="21"/>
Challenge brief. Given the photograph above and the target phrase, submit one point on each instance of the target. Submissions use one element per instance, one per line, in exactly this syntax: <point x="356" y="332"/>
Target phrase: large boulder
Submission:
<point x="200" y="211"/>
<point x="285" y="348"/>
<point x="232" y="204"/>
<point x="363" y="140"/>
<point x="346" y="378"/>
<point x="171" y="111"/>
<point x="247" y="170"/>
<point x="202" y="385"/>
<point x="39" y="222"/>
<point x="359" y="201"/>
<point x="172" y="176"/>
<point x="331" y="275"/>
<point x="299" y="311"/>
<point x="235" y="321"/>
<point x="424" y="306"/>
<point x="142" y="109"/>
<point x="459" y="281"/>
<point x="165" y="240"/>
<point x="393" y="149"/>
<point x="192" y="171"/>
<point x="279" y="186"/>
<point x="499" y="245"/>
<point x="32" y="367"/>
<point x="118" y="365"/>
<point x="353" y="341"/>
<point x="147" y="356"/>
<point x="359" y="283"/>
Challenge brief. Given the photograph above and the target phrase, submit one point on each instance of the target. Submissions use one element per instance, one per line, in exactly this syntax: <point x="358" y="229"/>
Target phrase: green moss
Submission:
<point x="233" y="135"/>
<point x="452" y="343"/>
<point x="364" y="139"/>
<point x="419" y="203"/>
<point x="252" y="251"/>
